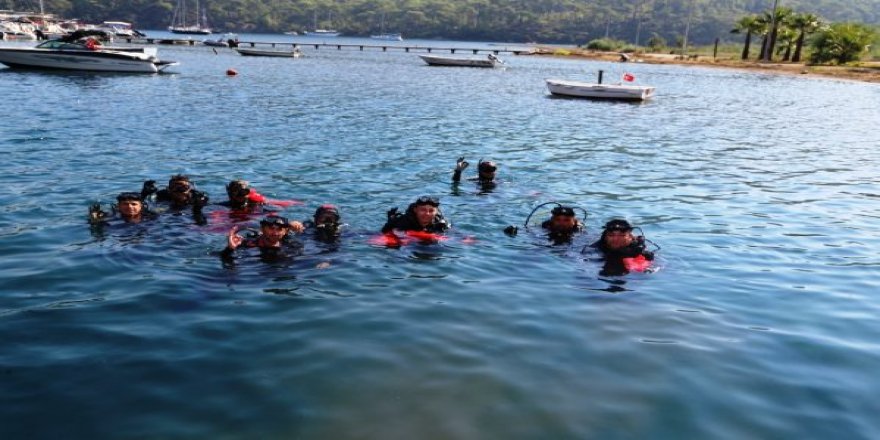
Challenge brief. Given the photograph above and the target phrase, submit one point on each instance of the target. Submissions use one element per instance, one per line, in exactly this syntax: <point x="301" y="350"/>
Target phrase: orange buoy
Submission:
<point x="231" y="72"/>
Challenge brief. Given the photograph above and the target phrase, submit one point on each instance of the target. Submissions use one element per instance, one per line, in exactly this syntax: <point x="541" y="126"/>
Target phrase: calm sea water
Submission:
<point x="762" y="191"/>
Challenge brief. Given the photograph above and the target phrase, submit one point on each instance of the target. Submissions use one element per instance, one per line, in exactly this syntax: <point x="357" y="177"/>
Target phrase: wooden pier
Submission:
<point x="339" y="46"/>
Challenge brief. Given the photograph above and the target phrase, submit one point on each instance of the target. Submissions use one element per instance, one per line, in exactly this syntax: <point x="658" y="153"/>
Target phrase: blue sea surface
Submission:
<point x="760" y="320"/>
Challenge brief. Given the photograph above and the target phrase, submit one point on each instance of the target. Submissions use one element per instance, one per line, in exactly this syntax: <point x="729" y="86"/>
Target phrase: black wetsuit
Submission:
<point x="409" y="222"/>
<point x="289" y="248"/>
<point x="197" y="200"/>
<point x="613" y="258"/>
<point x="561" y="237"/>
<point x="325" y="233"/>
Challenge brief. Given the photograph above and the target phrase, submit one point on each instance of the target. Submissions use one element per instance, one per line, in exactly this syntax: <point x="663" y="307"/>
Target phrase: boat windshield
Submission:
<point x="58" y="44"/>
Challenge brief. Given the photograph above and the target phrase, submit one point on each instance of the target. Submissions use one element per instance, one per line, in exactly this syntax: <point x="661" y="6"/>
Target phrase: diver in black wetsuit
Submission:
<point x="325" y="224"/>
<point x="423" y="215"/>
<point x="129" y="207"/>
<point x="618" y="243"/>
<point x="562" y="225"/>
<point x="485" y="173"/>
<point x="274" y="240"/>
<point x="179" y="194"/>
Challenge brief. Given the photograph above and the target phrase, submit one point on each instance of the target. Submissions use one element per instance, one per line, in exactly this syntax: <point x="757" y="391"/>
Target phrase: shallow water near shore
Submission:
<point x="761" y="322"/>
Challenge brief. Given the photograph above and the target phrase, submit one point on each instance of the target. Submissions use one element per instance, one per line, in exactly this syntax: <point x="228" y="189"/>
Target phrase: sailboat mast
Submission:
<point x="198" y="13"/>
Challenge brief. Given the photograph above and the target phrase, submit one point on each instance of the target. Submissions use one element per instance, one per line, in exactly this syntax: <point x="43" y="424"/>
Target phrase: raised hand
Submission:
<point x="297" y="227"/>
<point x="233" y="240"/>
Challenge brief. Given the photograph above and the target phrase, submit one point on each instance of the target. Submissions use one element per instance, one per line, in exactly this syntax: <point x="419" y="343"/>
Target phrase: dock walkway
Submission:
<point x="340" y="46"/>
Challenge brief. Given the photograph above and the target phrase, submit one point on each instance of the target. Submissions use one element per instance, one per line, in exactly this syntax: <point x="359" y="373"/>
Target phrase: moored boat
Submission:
<point x="66" y="54"/>
<point x="180" y="23"/>
<point x="322" y="33"/>
<point x="582" y="89"/>
<point x="388" y="37"/>
<point x="295" y="53"/>
<point x="434" y="60"/>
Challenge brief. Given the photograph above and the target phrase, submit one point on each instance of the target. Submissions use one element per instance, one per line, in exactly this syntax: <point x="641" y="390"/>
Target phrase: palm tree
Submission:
<point x="805" y="23"/>
<point x="786" y="40"/>
<point x="748" y="25"/>
<point x="782" y="15"/>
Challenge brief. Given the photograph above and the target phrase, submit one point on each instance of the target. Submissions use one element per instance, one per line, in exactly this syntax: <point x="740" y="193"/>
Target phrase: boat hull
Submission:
<point x="459" y="62"/>
<point x="321" y="33"/>
<point x="269" y="53"/>
<point x="387" y="37"/>
<point x="579" y="89"/>
<point x="92" y="62"/>
<point x="190" y="31"/>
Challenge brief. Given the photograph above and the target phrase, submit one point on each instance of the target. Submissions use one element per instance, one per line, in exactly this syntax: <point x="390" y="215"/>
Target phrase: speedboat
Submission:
<point x="295" y="53"/>
<point x="489" y="61"/>
<point x="64" y="54"/>
<point x="228" y="40"/>
<point x="582" y="89"/>
<point x="387" y="37"/>
<point x="322" y="33"/>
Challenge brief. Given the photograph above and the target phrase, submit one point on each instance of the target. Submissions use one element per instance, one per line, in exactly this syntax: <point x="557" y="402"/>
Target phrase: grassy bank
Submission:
<point x="729" y="57"/>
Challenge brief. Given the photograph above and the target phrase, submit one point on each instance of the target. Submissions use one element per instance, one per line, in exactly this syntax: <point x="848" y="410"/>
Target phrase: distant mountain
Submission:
<point x="562" y="21"/>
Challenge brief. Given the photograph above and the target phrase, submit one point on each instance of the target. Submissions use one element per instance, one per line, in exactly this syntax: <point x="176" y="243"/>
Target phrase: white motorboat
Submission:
<point x="387" y="37"/>
<point x="120" y="29"/>
<point x="227" y="40"/>
<point x="582" y="89"/>
<point x="75" y="55"/>
<point x="295" y="53"/>
<point x="321" y="33"/>
<point x="489" y="61"/>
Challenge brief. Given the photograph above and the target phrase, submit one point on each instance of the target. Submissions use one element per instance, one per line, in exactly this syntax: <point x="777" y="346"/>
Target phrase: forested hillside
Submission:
<point x="560" y="21"/>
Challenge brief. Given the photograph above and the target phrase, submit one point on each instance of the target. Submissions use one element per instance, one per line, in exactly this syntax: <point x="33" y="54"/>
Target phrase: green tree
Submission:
<point x="656" y="43"/>
<point x="782" y="15"/>
<point x="805" y="23"/>
<point x="841" y="43"/>
<point x="748" y="25"/>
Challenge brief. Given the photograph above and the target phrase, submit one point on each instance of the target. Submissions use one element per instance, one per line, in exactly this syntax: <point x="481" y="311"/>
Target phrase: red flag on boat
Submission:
<point x="629" y="77"/>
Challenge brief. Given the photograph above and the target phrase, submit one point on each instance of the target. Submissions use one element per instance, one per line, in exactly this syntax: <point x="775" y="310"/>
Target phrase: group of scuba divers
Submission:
<point x="621" y="250"/>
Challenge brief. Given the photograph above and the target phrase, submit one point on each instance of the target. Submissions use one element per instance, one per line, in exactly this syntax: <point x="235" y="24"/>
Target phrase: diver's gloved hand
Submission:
<point x="148" y="189"/>
<point x="511" y="231"/>
<point x="199" y="200"/>
<point x="392" y="213"/>
<point x="461" y="164"/>
<point x="95" y="212"/>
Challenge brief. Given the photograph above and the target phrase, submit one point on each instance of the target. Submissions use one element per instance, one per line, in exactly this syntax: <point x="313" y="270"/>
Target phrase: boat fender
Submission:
<point x="92" y="44"/>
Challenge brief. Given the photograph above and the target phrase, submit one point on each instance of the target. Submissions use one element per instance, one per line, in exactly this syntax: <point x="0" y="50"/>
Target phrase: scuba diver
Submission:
<point x="562" y="225"/>
<point x="485" y="171"/>
<point x="179" y="194"/>
<point x="242" y="197"/>
<point x="273" y="239"/>
<point x="129" y="207"/>
<point x="423" y="215"/>
<point x="325" y="223"/>
<point x="622" y="251"/>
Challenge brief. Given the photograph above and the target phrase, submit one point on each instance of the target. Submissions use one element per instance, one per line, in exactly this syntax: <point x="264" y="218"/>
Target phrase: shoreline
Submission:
<point x="866" y="72"/>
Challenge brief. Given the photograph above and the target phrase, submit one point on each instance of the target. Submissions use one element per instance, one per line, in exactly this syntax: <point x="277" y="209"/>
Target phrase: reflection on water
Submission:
<point x="765" y="205"/>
